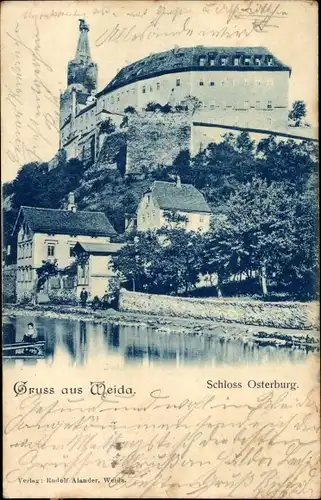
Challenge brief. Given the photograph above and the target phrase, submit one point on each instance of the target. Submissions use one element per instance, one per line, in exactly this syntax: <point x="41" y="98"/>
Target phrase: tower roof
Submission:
<point x="83" y="49"/>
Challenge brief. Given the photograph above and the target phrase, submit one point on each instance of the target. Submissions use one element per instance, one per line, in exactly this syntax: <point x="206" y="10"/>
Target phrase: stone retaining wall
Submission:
<point x="296" y="315"/>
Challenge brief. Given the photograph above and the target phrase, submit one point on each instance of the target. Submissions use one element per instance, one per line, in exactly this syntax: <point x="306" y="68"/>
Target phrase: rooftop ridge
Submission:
<point x="63" y="210"/>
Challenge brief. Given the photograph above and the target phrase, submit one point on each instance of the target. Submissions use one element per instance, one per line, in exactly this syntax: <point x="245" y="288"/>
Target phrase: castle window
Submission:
<point x="150" y="88"/>
<point x="258" y="82"/>
<point x="257" y="61"/>
<point x="202" y="61"/>
<point x="269" y="105"/>
<point x="212" y="104"/>
<point x="247" y="61"/>
<point x="223" y="61"/>
<point x="71" y="248"/>
<point x="236" y="61"/>
<point x="157" y="86"/>
<point x="178" y="82"/>
<point x="270" y="61"/>
<point x="201" y="218"/>
<point x="212" y="62"/>
<point x="144" y="89"/>
<point x="201" y="83"/>
<point x="212" y="84"/>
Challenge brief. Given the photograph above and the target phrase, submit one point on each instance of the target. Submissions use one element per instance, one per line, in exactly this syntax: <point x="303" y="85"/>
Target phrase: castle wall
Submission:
<point x="156" y="139"/>
<point x="251" y="98"/>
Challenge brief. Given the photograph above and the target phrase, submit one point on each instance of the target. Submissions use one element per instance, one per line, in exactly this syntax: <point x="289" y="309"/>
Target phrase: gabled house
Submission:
<point x="183" y="199"/>
<point x="44" y="234"/>
<point x="94" y="271"/>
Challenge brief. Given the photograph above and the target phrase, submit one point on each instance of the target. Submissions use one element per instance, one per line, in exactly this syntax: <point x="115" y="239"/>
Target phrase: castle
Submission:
<point x="240" y="87"/>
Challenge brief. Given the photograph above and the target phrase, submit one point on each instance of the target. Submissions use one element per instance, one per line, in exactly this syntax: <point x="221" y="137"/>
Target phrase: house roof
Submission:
<point x="188" y="59"/>
<point x="52" y="221"/>
<point x="185" y="198"/>
<point x="98" y="248"/>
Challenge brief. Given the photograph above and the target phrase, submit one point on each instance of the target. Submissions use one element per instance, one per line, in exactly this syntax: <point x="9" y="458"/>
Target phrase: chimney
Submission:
<point x="71" y="206"/>
<point x="178" y="182"/>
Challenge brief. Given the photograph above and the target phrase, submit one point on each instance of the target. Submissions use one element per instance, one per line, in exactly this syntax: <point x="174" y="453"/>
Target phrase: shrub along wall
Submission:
<point x="296" y="315"/>
<point x="9" y="283"/>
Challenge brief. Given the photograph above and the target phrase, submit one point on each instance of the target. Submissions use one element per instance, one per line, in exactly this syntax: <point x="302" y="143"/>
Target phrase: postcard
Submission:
<point x="160" y="334"/>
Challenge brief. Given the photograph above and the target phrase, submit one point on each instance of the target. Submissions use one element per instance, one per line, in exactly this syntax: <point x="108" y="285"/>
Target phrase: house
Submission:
<point x="94" y="272"/>
<point x="44" y="234"/>
<point x="183" y="199"/>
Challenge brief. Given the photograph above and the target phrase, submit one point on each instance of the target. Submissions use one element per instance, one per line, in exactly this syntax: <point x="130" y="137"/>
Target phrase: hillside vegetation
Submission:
<point x="265" y="192"/>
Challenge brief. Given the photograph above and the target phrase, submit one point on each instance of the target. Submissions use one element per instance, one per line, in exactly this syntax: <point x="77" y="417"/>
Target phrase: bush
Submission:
<point x="25" y="298"/>
<point x="63" y="297"/>
<point x="153" y="106"/>
<point x="130" y="109"/>
<point x="107" y="126"/>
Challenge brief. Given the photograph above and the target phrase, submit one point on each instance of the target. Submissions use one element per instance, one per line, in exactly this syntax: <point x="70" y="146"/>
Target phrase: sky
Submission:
<point x="39" y="38"/>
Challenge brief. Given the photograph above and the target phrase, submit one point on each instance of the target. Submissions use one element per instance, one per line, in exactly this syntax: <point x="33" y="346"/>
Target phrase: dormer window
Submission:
<point x="270" y="61"/>
<point x="202" y="61"/>
<point x="257" y="61"/>
<point x="223" y="61"/>
<point x="236" y="61"/>
<point x="247" y="61"/>
<point x="212" y="62"/>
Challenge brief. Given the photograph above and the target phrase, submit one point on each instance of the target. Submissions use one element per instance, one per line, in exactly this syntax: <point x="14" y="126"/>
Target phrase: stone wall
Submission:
<point x="278" y="315"/>
<point x="113" y="152"/>
<point x="9" y="276"/>
<point x="156" y="139"/>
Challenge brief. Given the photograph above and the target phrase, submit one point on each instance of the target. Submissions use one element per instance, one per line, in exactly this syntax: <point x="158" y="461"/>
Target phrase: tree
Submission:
<point x="244" y="144"/>
<point x="219" y="252"/>
<point x="153" y="106"/>
<point x="191" y="103"/>
<point x="107" y="126"/>
<point x="181" y="259"/>
<point x="297" y="113"/>
<point x="262" y="217"/>
<point x="137" y="258"/>
<point x="130" y="110"/>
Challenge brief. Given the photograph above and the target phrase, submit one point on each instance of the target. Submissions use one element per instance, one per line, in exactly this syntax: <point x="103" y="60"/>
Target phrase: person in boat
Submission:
<point x="31" y="335"/>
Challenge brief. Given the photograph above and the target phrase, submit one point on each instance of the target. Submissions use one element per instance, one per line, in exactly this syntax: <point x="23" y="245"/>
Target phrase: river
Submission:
<point x="82" y="343"/>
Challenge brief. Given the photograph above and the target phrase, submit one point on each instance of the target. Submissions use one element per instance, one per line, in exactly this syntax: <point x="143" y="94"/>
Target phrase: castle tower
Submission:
<point x="81" y="78"/>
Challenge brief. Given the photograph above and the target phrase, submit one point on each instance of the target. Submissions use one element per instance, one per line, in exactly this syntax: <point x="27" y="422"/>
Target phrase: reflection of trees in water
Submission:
<point x="69" y="338"/>
<point x="111" y="334"/>
<point x="133" y="352"/>
<point x="83" y="349"/>
<point x="144" y="343"/>
<point x="8" y="333"/>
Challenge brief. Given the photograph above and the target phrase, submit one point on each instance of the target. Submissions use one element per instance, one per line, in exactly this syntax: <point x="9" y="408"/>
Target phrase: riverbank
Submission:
<point x="262" y="335"/>
<point x="288" y="315"/>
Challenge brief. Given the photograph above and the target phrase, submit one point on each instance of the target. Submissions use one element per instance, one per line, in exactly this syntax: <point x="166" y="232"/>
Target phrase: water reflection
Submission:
<point x="80" y="343"/>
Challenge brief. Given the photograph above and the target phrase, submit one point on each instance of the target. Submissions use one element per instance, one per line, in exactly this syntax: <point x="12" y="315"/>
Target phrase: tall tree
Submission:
<point x="297" y="113"/>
